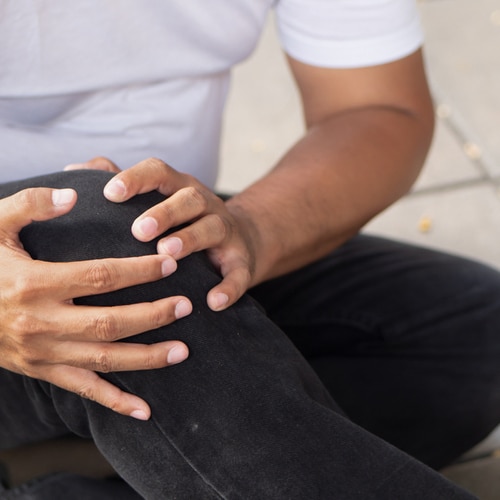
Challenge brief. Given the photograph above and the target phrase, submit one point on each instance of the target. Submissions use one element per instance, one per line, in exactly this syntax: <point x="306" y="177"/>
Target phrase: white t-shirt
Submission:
<point x="129" y="79"/>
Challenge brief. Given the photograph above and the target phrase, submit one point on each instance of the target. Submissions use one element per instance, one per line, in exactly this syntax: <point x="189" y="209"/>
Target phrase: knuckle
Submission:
<point x="189" y="180"/>
<point x="248" y="269"/>
<point x="25" y="325"/>
<point x="246" y="278"/>
<point x="218" y="225"/>
<point x="156" y="164"/>
<point x="167" y="211"/>
<point x="24" y="288"/>
<point x="27" y="356"/>
<point x="30" y="358"/>
<point x="104" y="361"/>
<point x="196" y="197"/>
<point x="85" y="391"/>
<point x="100" y="275"/>
<point x="26" y="332"/>
<point x="158" y="316"/>
<point x="150" y="361"/>
<point x="29" y="370"/>
<point x="26" y="198"/>
<point x="113" y="403"/>
<point x="105" y="327"/>
<point x="192" y="240"/>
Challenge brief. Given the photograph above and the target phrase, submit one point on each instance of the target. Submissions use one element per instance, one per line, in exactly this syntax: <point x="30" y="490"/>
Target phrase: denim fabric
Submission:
<point x="405" y="340"/>
<point x="71" y="486"/>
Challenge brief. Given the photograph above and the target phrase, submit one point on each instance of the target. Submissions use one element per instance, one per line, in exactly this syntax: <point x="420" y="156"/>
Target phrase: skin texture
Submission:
<point x="368" y="131"/>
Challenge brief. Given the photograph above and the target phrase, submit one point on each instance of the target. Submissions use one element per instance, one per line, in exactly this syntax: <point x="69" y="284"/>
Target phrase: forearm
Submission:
<point x="343" y="172"/>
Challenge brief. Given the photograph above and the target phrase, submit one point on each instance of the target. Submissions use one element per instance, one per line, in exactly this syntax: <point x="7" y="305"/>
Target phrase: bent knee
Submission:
<point x="95" y="228"/>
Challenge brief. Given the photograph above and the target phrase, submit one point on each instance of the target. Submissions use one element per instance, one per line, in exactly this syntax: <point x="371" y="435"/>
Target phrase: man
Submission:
<point x="245" y="416"/>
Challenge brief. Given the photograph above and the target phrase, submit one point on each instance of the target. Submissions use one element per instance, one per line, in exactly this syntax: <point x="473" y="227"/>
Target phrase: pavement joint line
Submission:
<point x="453" y="125"/>
<point x="457" y="125"/>
<point x="493" y="182"/>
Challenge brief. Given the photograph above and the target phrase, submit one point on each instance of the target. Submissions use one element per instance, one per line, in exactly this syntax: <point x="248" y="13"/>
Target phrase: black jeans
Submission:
<point x="402" y="346"/>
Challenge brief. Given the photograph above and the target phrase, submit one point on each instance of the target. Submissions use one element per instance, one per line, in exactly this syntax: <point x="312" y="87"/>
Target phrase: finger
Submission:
<point x="148" y="175"/>
<point x="89" y="385"/>
<point x="68" y="280"/>
<point x="107" y="324"/>
<point x="182" y="206"/>
<point x="34" y="204"/>
<point x="234" y="284"/>
<point x="98" y="163"/>
<point x="208" y="232"/>
<point x="118" y="357"/>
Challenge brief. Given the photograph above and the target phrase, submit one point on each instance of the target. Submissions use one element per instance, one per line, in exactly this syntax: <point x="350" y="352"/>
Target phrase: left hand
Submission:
<point x="225" y="236"/>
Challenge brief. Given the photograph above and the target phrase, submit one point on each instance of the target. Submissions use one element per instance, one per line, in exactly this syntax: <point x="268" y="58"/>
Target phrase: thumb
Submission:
<point x="34" y="204"/>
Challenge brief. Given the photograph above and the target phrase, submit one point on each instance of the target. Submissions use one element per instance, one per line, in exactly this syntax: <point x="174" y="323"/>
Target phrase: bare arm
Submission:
<point x="368" y="131"/>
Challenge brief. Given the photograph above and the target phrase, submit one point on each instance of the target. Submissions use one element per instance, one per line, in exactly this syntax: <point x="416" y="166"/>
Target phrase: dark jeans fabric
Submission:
<point x="401" y="343"/>
<point x="65" y="486"/>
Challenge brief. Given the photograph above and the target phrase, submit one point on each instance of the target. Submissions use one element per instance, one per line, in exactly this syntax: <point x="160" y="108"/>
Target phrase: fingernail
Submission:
<point x="148" y="227"/>
<point x="61" y="197"/>
<point x="171" y="246"/>
<point x="168" y="267"/>
<point x="182" y="309"/>
<point x="115" y="189"/>
<point x="139" y="415"/>
<point x="220" y="300"/>
<point x="176" y="355"/>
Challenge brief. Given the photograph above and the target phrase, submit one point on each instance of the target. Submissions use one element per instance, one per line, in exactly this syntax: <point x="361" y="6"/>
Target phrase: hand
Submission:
<point x="45" y="336"/>
<point x="226" y="237"/>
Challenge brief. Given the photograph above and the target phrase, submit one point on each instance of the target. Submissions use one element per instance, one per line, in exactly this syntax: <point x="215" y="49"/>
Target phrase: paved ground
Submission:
<point x="455" y="204"/>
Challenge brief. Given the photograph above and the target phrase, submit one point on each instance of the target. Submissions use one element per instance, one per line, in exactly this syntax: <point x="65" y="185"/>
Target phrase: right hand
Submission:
<point x="43" y="335"/>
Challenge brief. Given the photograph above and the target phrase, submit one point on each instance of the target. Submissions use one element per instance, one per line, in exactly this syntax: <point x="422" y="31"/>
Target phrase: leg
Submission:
<point x="406" y="340"/>
<point x="244" y="417"/>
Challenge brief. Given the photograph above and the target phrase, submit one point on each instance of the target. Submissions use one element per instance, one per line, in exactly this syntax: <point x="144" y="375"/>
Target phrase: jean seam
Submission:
<point x="190" y="464"/>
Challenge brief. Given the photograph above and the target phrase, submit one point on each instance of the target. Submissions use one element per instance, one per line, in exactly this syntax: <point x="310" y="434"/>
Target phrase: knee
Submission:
<point x="95" y="228"/>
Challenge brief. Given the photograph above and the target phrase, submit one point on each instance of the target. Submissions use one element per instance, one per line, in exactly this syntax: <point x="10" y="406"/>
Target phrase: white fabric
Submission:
<point x="349" y="33"/>
<point x="130" y="79"/>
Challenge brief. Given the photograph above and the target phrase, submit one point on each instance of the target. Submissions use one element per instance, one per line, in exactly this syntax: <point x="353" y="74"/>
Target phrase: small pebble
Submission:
<point x="425" y="224"/>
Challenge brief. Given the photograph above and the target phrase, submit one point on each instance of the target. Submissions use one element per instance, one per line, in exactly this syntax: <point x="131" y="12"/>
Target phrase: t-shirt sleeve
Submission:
<point x="348" y="33"/>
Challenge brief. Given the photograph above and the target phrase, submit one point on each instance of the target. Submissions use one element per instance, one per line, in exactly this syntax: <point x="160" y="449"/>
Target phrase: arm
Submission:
<point x="368" y="131"/>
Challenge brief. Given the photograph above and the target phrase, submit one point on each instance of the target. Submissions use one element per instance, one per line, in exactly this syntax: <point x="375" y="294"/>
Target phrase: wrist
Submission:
<point x="255" y="237"/>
